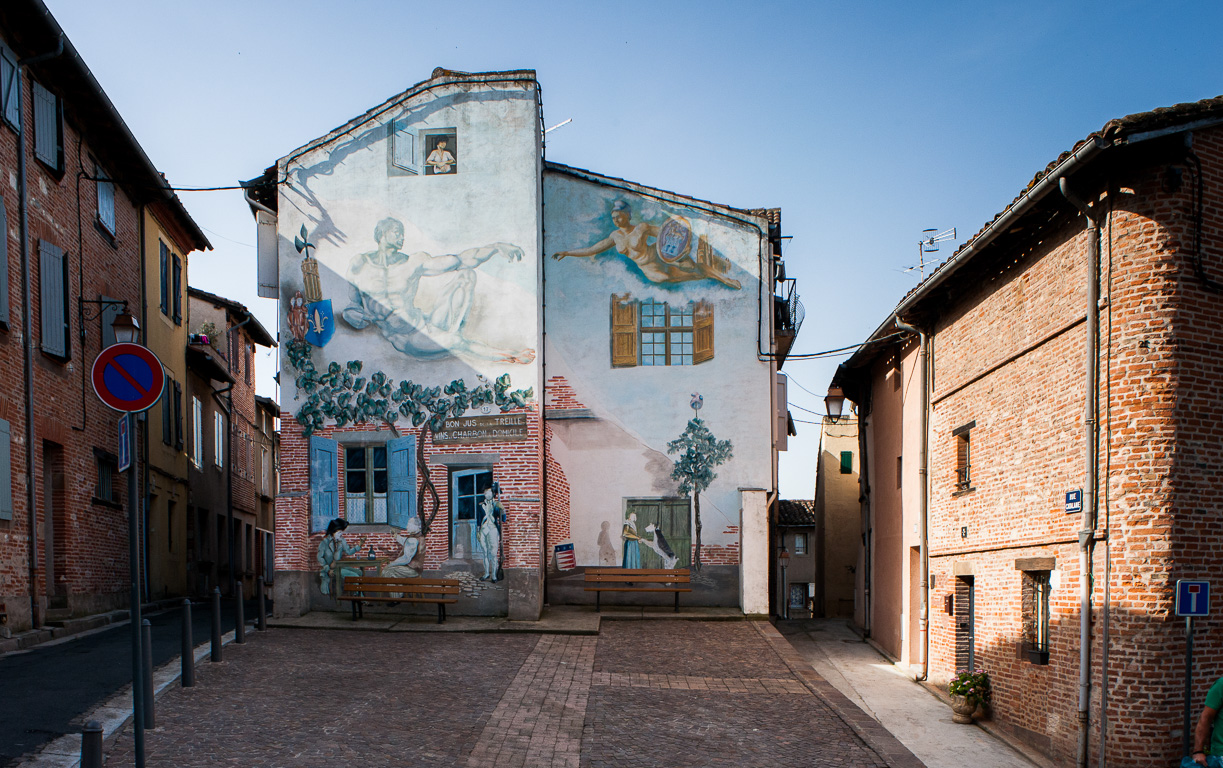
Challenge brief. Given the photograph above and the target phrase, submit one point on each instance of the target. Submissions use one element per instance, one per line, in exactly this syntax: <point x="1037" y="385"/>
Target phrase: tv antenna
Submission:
<point x="929" y="243"/>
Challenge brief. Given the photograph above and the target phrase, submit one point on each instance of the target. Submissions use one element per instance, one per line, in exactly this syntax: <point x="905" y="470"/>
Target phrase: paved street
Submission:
<point x="641" y="693"/>
<point x="56" y="683"/>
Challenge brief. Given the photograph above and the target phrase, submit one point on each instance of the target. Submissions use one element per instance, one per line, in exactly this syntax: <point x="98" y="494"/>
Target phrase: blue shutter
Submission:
<point x="324" y="485"/>
<point x="6" y="472"/>
<point x="3" y="263"/>
<point x="46" y="126"/>
<point x="10" y="89"/>
<point x="106" y="200"/>
<point x="52" y="291"/>
<point x="401" y="481"/>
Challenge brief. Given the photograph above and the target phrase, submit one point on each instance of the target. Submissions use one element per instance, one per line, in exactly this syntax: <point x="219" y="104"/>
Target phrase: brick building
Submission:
<point x="496" y="348"/>
<point x="1057" y="378"/>
<point x="227" y="431"/>
<point x="74" y="207"/>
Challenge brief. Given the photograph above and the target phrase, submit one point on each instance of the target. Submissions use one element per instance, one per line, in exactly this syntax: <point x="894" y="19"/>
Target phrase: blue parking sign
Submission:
<point x="1192" y="597"/>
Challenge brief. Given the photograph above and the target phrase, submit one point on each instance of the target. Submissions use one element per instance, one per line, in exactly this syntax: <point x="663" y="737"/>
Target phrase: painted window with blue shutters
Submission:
<point x="380" y="482"/>
<point x="6" y="472"/>
<point x="53" y="298"/>
<point x="401" y="481"/>
<point x="324" y="485"/>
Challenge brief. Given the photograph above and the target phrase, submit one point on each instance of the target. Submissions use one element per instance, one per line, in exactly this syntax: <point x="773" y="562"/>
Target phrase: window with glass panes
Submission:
<point x="666" y="333"/>
<point x="365" y="484"/>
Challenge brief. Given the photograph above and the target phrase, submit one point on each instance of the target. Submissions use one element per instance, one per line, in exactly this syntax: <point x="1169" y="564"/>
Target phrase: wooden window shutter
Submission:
<point x="165" y="410"/>
<point x="6" y="472"/>
<point x="165" y="279"/>
<point x="624" y="331"/>
<point x="10" y="89"/>
<point x="702" y="332"/>
<point x="4" y="313"/>
<point x="324" y="485"/>
<point x="401" y="481"/>
<point x="53" y="290"/>
<point x="46" y="127"/>
<point x="178" y="415"/>
<point x="178" y="290"/>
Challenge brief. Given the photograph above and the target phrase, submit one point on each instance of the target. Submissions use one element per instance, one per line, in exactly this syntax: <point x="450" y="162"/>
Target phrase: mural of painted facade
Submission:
<point x="431" y="427"/>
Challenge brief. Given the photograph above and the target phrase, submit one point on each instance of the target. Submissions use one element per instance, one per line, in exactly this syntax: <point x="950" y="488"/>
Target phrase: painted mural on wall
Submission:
<point x="663" y="252"/>
<point x="684" y="303"/>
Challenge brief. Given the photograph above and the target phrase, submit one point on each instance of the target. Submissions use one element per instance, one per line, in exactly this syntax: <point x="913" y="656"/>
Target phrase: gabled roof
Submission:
<point x="31" y="30"/>
<point x="796" y="512"/>
<point x="1094" y="148"/>
<point x="257" y="332"/>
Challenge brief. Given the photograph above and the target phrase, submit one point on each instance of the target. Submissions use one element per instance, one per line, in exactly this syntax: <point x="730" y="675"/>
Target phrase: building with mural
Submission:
<point x="504" y="370"/>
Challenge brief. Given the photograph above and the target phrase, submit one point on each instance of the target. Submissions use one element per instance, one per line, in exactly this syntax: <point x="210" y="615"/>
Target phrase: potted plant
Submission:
<point x="969" y="689"/>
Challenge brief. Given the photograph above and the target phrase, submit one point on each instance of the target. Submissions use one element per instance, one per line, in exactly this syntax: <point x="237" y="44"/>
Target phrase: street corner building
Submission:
<point x="1055" y="384"/>
<point x="505" y="370"/>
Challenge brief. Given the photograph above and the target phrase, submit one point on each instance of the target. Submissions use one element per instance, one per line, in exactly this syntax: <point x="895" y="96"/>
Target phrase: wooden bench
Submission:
<point x="379" y="589"/>
<point x="600" y="580"/>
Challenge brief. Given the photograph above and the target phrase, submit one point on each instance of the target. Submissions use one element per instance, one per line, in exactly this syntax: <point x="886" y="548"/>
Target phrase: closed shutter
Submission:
<point x="10" y="89"/>
<point x="178" y="415"/>
<point x="165" y="279"/>
<point x="165" y="410"/>
<point x="52" y="277"/>
<point x="178" y="290"/>
<point x="323" y="483"/>
<point x="702" y="332"/>
<point x="847" y="462"/>
<point x="624" y="331"/>
<point x="46" y="127"/>
<point x="6" y="472"/>
<point x="106" y="201"/>
<point x="401" y="481"/>
<point x="3" y="264"/>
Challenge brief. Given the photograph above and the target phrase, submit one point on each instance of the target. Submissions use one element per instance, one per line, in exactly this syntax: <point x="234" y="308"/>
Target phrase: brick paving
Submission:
<point x="642" y="693"/>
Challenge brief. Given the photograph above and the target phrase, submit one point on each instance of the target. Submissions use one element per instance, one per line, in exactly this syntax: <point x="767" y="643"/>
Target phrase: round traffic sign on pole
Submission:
<point x="128" y="377"/>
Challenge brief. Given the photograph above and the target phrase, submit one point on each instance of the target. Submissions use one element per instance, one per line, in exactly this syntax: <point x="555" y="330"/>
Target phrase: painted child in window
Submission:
<point x="331" y="549"/>
<point x="489" y="535"/>
<point x="632" y="547"/>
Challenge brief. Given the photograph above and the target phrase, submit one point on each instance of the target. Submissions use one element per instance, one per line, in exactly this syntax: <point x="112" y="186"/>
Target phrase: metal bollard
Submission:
<point x="147" y="651"/>
<point x="216" y="623"/>
<point x="263" y="606"/>
<point x="91" y="745"/>
<point x="239" y="618"/>
<point x="188" y="649"/>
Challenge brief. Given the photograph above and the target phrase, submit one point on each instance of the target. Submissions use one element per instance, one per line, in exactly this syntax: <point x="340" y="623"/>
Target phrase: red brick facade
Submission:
<point x="1008" y="336"/>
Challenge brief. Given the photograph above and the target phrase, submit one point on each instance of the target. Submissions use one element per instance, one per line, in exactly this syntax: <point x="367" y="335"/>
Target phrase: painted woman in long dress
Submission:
<point x="632" y="547"/>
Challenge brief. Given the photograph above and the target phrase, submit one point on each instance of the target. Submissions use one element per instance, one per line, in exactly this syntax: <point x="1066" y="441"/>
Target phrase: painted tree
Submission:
<point x="342" y="393"/>
<point x="699" y="452"/>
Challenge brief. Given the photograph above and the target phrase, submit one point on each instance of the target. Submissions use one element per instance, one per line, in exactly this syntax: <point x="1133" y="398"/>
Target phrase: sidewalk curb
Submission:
<point x="114" y="713"/>
<point x="873" y="734"/>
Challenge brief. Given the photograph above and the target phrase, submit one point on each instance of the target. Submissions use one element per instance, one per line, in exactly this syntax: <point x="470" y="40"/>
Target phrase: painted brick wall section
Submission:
<point x="91" y="536"/>
<point x="558" y="394"/>
<point x="519" y="471"/>
<point x="1161" y="443"/>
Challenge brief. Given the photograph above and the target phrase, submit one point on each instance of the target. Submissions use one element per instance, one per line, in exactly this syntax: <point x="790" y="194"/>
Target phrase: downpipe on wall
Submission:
<point x="923" y="624"/>
<point x="1087" y="534"/>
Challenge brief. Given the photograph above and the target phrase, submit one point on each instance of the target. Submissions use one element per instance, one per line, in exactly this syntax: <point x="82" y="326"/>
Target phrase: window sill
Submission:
<point x="106" y="503"/>
<point x="105" y="232"/>
<point x="963" y="491"/>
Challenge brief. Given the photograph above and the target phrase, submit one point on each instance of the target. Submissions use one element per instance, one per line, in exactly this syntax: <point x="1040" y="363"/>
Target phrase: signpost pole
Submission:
<point x="133" y="526"/>
<point x="1188" y="680"/>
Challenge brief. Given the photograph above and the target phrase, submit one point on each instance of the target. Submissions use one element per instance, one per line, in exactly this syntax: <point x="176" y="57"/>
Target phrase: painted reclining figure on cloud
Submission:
<point x="663" y="252"/>
<point x="385" y="288"/>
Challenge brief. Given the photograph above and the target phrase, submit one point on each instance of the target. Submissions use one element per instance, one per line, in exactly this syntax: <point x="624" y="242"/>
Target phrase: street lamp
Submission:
<point x="783" y="558"/>
<point x="834" y="402"/>
<point x="127" y="330"/>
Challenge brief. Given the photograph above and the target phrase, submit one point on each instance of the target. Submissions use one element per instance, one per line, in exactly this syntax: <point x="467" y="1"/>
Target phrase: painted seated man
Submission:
<point x="383" y="289"/>
<point x="331" y="549"/>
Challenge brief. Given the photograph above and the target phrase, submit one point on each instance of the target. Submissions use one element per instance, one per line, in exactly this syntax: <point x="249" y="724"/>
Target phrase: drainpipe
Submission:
<point x="1087" y="534"/>
<point x="923" y="502"/>
<point x="26" y="330"/>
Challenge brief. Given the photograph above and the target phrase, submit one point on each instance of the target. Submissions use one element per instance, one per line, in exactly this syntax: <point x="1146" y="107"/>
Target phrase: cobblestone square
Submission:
<point x="642" y="693"/>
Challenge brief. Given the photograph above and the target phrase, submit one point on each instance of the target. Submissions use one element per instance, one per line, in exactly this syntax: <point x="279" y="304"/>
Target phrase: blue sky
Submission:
<point x="865" y="122"/>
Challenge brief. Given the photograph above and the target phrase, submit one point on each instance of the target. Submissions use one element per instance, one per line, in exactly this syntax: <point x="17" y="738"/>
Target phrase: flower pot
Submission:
<point x="962" y="709"/>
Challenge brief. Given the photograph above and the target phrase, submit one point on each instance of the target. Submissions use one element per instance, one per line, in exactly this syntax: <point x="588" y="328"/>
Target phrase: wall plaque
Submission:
<point x="465" y="430"/>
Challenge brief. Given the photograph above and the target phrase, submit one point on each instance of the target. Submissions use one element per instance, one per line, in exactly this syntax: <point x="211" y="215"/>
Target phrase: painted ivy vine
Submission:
<point x="344" y="394"/>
